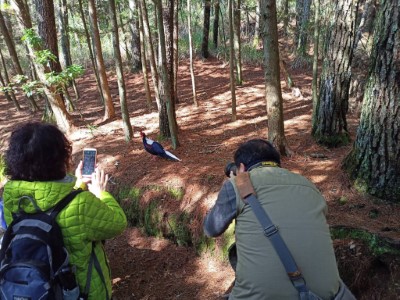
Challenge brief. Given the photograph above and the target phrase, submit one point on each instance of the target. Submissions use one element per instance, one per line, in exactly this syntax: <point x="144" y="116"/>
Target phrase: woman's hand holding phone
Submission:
<point x="98" y="182"/>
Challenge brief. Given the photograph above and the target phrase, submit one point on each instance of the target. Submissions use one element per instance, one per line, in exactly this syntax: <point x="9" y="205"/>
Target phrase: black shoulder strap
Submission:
<point x="63" y="203"/>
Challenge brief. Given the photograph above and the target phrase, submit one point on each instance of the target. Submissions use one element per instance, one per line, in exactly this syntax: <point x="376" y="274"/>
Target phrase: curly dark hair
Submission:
<point x="255" y="151"/>
<point x="38" y="152"/>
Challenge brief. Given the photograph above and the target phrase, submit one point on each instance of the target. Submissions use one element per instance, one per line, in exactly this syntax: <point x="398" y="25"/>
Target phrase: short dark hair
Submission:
<point x="38" y="152"/>
<point x="255" y="151"/>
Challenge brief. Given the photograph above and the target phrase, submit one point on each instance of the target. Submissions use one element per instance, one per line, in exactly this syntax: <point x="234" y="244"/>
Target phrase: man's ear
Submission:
<point x="242" y="168"/>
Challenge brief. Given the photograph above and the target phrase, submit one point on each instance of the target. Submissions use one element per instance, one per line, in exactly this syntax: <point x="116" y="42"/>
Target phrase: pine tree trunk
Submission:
<point x="135" y="43"/>
<point x="216" y="23"/>
<point x="126" y="123"/>
<point x="143" y="58"/>
<point x="164" y="78"/>
<point x="176" y="52"/>
<point x="315" y="59"/>
<point x="232" y="58"/>
<point x="5" y="82"/>
<point x="189" y="12"/>
<point x="286" y="17"/>
<point x="109" y="111"/>
<point x="273" y="93"/>
<point x="374" y="161"/>
<point x="206" y="29"/>
<point x="237" y="42"/>
<point x="89" y="44"/>
<point x="150" y="54"/>
<point x="303" y="17"/>
<point x="330" y="124"/>
<point x="14" y="57"/>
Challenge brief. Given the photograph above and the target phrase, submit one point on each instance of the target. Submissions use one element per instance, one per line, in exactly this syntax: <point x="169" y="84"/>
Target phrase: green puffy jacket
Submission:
<point x="85" y="220"/>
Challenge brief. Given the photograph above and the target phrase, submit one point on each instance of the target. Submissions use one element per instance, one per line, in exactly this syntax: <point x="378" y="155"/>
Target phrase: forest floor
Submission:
<point x="154" y="268"/>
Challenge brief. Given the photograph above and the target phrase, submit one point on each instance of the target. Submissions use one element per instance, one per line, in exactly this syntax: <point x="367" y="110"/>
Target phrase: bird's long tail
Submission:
<point x="171" y="156"/>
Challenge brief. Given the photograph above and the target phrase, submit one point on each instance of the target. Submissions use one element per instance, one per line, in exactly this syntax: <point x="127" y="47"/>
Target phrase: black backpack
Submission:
<point x="34" y="264"/>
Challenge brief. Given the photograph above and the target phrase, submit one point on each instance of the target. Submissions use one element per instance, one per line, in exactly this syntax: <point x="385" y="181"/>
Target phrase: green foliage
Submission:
<point x="251" y="55"/>
<point x="179" y="225"/>
<point x="228" y="238"/>
<point x="177" y="193"/>
<point x="377" y="245"/>
<point x="151" y="219"/>
<point x="44" y="57"/>
<point x="31" y="38"/>
<point x="32" y="87"/>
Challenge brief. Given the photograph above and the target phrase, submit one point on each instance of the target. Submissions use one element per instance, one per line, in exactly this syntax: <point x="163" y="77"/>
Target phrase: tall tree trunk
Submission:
<point x="64" y="34"/>
<point x="168" y="20"/>
<point x="62" y="117"/>
<point x="330" y="126"/>
<point x="285" y="16"/>
<point x="176" y="52"/>
<point x="143" y="58"/>
<point x="65" y="57"/>
<point x="237" y="43"/>
<point x="303" y="18"/>
<point x="89" y="44"/>
<point x="374" y="161"/>
<point x="164" y="82"/>
<point x="126" y="123"/>
<point x="124" y="35"/>
<point x="257" y="26"/>
<point x="135" y="42"/>
<point x="109" y="111"/>
<point x="5" y="82"/>
<point x="206" y="29"/>
<point x="273" y="93"/>
<point x="150" y="53"/>
<point x="189" y="12"/>
<point x="216" y="23"/>
<point x="315" y="59"/>
<point x="14" y="57"/>
<point x="232" y="59"/>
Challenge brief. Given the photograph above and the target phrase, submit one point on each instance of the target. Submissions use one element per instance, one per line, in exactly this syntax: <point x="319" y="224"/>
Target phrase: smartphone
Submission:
<point x="89" y="161"/>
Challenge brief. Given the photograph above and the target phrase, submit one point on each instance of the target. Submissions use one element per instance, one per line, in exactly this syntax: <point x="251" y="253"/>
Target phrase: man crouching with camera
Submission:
<point x="298" y="210"/>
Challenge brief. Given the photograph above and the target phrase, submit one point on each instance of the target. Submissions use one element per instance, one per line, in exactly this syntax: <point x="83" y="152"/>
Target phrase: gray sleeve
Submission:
<point x="221" y="215"/>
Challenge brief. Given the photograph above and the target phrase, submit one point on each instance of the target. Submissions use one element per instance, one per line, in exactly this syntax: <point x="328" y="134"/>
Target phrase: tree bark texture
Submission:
<point x="89" y="44"/>
<point x="189" y="12"/>
<point x="168" y="20"/>
<point x="150" y="52"/>
<point x="303" y="17"/>
<point x="273" y="93"/>
<point x="165" y="84"/>
<point x="176" y="51"/>
<point x="238" y="46"/>
<point x="5" y="82"/>
<point x="7" y="37"/>
<point x="374" y="161"/>
<point x="47" y="30"/>
<point x="206" y="29"/>
<point x="143" y="58"/>
<point x="216" y="23"/>
<point x="126" y="123"/>
<point x="232" y="58"/>
<point x="135" y="42"/>
<point x="63" y="26"/>
<point x="330" y="126"/>
<point x="109" y="111"/>
<point x="63" y="118"/>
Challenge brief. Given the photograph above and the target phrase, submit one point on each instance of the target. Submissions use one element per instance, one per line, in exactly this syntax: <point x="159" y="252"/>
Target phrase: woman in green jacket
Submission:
<point x="37" y="161"/>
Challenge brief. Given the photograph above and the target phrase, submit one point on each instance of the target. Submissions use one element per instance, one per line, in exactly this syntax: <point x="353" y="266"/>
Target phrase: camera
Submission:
<point x="230" y="167"/>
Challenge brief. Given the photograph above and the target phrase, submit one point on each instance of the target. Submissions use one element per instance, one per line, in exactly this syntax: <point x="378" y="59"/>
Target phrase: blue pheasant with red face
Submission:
<point x="156" y="148"/>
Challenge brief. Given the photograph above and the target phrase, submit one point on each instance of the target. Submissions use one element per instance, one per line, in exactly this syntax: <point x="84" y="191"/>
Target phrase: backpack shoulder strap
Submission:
<point x="63" y="203"/>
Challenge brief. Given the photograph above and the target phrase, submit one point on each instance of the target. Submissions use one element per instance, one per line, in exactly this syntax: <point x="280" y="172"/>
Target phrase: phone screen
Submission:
<point x="89" y="161"/>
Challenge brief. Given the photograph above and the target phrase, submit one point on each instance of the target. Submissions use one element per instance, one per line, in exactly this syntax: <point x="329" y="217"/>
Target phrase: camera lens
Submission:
<point x="230" y="167"/>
